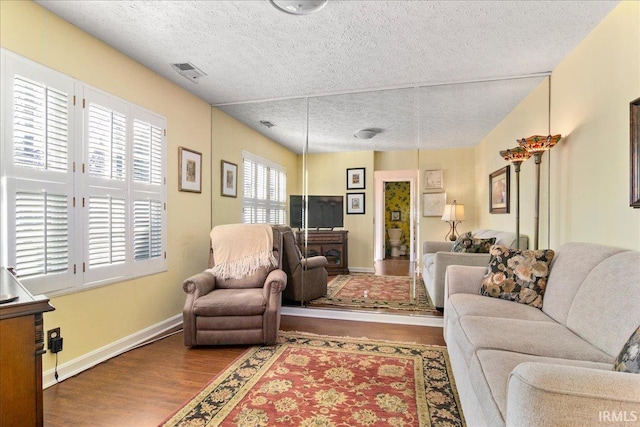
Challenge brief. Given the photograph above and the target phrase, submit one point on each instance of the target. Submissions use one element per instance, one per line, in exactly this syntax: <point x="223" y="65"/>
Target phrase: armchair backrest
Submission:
<point x="290" y="252"/>
<point x="257" y="279"/>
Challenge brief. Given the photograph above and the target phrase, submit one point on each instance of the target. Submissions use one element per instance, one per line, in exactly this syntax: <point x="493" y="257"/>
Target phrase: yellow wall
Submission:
<point x="229" y="138"/>
<point x="458" y="167"/>
<point x="328" y="176"/>
<point x="589" y="189"/>
<point x="95" y="318"/>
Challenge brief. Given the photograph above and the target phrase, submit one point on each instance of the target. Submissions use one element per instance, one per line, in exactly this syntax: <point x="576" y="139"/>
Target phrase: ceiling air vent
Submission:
<point x="267" y="123"/>
<point x="189" y="71"/>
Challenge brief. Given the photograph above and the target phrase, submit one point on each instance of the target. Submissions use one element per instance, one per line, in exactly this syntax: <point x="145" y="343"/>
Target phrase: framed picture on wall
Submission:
<point x="395" y="215"/>
<point x="635" y="153"/>
<point x="433" y="180"/>
<point x="433" y="204"/>
<point x="355" y="179"/>
<point x="355" y="203"/>
<point x="189" y="170"/>
<point x="499" y="191"/>
<point x="229" y="179"/>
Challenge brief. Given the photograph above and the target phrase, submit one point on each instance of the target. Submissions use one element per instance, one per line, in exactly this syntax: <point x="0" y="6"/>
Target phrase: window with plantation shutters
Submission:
<point x="83" y="194"/>
<point x="264" y="190"/>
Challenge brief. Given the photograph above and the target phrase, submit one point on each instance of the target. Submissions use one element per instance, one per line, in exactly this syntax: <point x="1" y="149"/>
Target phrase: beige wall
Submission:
<point x="458" y="166"/>
<point x="589" y="189"/>
<point x="328" y="176"/>
<point x="229" y="138"/>
<point x="95" y="318"/>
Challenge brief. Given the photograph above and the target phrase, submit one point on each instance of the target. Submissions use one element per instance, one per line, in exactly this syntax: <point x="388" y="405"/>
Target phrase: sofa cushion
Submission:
<point x="539" y="338"/>
<point x="477" y="305"/>
<point x="489" y="371"/>
<point x="629" y="358"/>
<point x="517" y="275"/>
<point x="462" y="241"/>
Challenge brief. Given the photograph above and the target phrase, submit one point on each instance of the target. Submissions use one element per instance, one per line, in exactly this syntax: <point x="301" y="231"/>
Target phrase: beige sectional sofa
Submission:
<point x="517" y="365"/>
<point x="437" y="256"/>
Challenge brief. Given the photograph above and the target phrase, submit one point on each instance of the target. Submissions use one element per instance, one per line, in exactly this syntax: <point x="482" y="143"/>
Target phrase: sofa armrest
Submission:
<point x="463" y="279"/>
<point x="433" y="246"/>
<point x="313" y="262"/>
<point x="445" y="259"/>
<point x="199" y="284"/>
<point x="275" y="283"/>
<point x="547" y="394"/>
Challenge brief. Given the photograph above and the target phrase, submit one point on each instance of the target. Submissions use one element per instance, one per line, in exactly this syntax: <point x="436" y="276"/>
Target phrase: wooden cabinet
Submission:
<point x="21" y="349"/>
<point x="331" y="244"/>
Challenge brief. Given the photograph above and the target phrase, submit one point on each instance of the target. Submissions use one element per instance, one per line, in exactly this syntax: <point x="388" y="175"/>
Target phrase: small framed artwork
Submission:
<point x="433" y="180"/>
<point x="395" y="215"/>
<point x="229" y="179"/>
<point x="189" y="170"/>
<point x="433" y="204"/>
<point x="635" y="153"/>
<point x="499" y="191"/>
<point x="355" y="179"/>
<point x="355" y="203"/>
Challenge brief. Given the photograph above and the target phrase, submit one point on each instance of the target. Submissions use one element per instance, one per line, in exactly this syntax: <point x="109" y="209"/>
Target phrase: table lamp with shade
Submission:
<point x="453" y="214"/>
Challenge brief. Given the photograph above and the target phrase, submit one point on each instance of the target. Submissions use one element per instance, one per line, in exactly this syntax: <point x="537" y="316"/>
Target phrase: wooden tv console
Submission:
<point x="331" y="244"/>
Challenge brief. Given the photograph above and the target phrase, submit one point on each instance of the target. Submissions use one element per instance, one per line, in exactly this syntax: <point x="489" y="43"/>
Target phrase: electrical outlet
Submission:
<point x="54" y="340"/>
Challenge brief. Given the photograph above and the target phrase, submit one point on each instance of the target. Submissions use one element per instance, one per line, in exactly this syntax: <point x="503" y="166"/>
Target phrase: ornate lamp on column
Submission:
<point x="453" y="214"/>
<point x="516" y="156"/>
<point x="537" y="145"/>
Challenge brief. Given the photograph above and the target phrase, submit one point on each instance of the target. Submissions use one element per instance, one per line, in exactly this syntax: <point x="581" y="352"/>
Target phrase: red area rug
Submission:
<point x="389" y="292"/>
<point x="310" y="380"/>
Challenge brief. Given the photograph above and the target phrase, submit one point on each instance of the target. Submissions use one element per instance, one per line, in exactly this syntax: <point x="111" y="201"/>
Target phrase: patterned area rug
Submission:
<point x="313" y="380"/>
<point x="391" y="292"/>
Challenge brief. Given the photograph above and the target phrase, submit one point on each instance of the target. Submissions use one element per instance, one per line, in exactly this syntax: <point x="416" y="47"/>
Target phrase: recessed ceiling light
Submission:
<point x="299" y="7"/>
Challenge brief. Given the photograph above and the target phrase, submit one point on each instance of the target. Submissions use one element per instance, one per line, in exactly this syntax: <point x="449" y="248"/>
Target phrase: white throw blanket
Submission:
<point x="239" y="250"/>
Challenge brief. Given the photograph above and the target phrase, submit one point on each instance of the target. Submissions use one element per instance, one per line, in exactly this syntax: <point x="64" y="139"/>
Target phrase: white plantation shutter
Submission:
<point x="147" y="229"/>
<point x="83" y="188"/>
<point x="107" y="140"/>
<point x="264" y="184"/>
<point x="42" y="233"/>
<point x="40" y="126"/>
<point x="107" y="226"/>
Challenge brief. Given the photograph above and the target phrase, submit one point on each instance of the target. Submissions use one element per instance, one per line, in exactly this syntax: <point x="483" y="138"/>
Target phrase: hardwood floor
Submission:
<point x="146" y="385"/>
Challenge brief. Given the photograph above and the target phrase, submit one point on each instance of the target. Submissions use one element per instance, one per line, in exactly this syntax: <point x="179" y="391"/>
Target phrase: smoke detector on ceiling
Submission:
<point x="189" y="71"/>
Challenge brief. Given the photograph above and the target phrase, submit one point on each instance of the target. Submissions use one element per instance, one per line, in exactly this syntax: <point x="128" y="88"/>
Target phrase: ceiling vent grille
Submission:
<point x="189" y="71"/>
<point x="267" y="123"/>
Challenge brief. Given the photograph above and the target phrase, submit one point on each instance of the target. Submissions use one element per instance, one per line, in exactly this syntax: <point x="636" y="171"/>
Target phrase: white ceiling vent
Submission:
<point x="189" y="71"/>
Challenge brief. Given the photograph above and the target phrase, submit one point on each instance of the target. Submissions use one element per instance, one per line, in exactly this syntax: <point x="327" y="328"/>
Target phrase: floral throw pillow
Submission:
<point x="463" y="241"/>
<point x="517" y="275"/>
<point x="629" y="358"/>
<point x="480" y="246"/>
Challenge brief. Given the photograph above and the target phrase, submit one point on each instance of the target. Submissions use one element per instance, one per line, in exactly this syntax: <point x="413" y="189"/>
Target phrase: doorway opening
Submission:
<point x="395" y="207"/>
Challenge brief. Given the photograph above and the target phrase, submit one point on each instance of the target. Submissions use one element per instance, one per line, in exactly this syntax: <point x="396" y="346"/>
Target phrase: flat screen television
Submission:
<point x="324" y="212"/>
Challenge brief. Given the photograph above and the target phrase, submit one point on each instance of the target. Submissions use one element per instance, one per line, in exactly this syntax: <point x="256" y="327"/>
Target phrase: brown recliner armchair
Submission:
<point x="231" y="310"/>
<point x="307" y="277"/>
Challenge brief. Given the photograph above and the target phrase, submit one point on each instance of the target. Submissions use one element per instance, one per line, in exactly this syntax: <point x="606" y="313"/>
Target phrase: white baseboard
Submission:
<point x="363" y="316"/>
<point x="89" y="360"/>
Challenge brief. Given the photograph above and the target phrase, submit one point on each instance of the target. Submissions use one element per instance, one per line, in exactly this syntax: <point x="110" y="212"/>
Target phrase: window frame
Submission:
<point x="254" y="202"/>
<point x="78" y="185"/>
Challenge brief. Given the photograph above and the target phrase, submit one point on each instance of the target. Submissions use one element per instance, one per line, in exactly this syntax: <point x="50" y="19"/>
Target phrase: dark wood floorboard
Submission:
<point x="145" y="386"/>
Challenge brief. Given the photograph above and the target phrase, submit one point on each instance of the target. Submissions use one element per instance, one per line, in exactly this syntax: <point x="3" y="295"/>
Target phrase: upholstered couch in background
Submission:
<point x="522" y="366"/>
<point x="437" y="256"/>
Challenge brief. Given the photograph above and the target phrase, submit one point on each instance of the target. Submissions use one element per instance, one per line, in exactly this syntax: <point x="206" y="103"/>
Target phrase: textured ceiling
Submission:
<point x="252" y="52"/>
